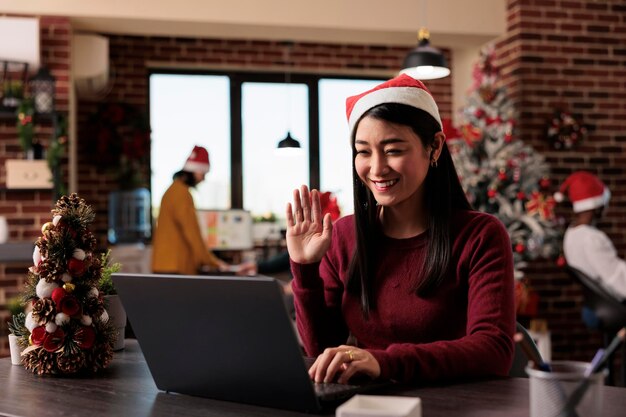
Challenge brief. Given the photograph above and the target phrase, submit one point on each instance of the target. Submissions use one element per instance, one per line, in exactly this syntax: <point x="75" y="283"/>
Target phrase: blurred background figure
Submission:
<point x="586" y="247"/>
<point x="178" y="246"/>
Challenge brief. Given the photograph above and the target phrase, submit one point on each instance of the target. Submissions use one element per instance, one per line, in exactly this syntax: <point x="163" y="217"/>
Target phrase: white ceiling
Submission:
<point x="453" y="23"/>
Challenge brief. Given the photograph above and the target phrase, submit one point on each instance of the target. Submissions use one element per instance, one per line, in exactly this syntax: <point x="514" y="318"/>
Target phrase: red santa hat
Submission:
<point x="585" y="191"/>
<point x="198" y="161"/>
<point x="402" y="89"/>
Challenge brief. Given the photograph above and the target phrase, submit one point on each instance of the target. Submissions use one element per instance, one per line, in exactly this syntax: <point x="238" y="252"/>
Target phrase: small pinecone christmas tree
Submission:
<point x="67" y="330"/>
<point x="501" y="174"/>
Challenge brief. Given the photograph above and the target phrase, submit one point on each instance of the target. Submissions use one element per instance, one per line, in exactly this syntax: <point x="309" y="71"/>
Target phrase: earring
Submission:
<point x="433" y="163"/>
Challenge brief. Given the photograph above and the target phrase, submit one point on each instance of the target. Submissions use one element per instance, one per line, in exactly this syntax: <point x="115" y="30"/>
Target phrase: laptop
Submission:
<point x="223" y="337"/>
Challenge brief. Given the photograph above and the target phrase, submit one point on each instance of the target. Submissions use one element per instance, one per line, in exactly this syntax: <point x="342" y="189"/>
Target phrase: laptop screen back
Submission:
<point x="228" y="338"/>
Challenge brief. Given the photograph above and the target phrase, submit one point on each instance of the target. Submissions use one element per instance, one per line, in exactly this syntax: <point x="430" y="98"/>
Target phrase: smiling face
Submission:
<point x="391" y="161"/>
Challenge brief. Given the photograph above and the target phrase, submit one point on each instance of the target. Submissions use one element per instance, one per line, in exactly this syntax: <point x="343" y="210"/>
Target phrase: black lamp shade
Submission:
<point x="288" y="142"/>
<point x="425" y="62"/>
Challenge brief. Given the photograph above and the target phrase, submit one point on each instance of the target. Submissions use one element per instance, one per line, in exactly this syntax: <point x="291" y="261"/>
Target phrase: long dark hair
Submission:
<point x="443" y="194"/>
<point x="187" y="177"/>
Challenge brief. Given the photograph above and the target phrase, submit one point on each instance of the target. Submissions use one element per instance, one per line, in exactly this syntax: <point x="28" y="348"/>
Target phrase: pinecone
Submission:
<point x="88" y="241"/>
<point x="100" y="357"/>
<point x="66" y="203"/>
<point x="44" y="310"/>
<point x="40" y="362"/>
<point x="93" y="306"/>
<point x="75" y="212"/>
<point x="71" y="364"/>
<point x="50" y="269"/>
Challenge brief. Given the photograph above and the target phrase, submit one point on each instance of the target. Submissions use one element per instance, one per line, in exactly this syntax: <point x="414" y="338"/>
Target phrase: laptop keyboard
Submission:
<point x="334" y="391"/>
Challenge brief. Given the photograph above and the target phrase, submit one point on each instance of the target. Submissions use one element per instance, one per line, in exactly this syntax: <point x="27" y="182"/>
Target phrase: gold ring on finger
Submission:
<point x="350" y="354"/>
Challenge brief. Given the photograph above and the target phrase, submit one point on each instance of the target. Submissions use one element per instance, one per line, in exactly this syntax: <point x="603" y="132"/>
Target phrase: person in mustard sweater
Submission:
<point x="177" y="245"/>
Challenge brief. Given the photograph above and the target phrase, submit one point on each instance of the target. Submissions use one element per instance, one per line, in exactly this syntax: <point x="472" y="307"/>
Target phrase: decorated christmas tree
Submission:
<point x="501" y="174"/>
<point x="67" y="330"/>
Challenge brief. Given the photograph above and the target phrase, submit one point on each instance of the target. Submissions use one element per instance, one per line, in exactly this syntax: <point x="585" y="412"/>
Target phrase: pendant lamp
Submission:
<point x="288" y="142"/>
<point x="425" y="62"/>
<point x="288" y="145"/>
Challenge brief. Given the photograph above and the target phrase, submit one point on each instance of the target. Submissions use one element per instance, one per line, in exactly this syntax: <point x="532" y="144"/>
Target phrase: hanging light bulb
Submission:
<point x="425" y="62"/>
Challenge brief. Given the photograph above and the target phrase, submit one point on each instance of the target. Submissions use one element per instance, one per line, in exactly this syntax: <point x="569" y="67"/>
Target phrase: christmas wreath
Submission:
<point x="120" y="142"/>
<point x="564" y="131"/>
<point x="68" y="330"/>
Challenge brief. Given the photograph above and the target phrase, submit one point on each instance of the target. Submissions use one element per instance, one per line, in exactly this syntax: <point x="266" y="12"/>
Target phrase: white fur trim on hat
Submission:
<point x="593" y="202"/>
<point x="410" y="96"/>
<point x="193" y="166"/>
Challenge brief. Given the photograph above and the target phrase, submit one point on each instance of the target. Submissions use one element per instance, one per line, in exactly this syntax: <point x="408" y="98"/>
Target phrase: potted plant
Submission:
<point x="17" y="328"/>
<point x="112" y="302"/>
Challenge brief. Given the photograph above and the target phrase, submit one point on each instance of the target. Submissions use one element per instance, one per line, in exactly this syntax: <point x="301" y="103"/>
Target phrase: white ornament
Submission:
<point x="51" y="327"/>
<point x="104" y="318"/>
<point x="44" y="289"/>
<point x="61" y="318"/>
<point x="86" y="320"/>
<point x="37" y="256"/>
<point x="55" y="220"/>
<point x="79" y="254"/>
<point x="66" y="277"/>
<point x="93" y="292"/>
<point x="30" y="322"/>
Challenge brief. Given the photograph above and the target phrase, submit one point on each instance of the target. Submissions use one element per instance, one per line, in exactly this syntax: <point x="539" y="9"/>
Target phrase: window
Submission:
<point x="269" y="111"/>
<point x="240" y="118"/>
<point x="189" y="110"/>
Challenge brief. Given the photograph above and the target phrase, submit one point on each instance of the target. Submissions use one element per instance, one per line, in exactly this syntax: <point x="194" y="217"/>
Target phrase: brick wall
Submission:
<point x="27" y="210"/>
<point x="571" y="55"/>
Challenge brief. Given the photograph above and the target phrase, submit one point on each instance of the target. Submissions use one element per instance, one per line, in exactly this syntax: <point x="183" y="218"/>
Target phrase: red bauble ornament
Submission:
<point x="521" y="195"/>
<point x="38" y="335"/>
<point x="76" y="267"/>
<point x="492" y="193"/>
<point x="520" y="248"/>
<point x="560" y="261"/>
<point x="502" y="176"/>
<point x="544" y="183"/>
<point x="57" y="296"/>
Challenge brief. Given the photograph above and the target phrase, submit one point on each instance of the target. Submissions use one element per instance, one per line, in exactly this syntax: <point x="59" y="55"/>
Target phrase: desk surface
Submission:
<point x="126" y="389"/>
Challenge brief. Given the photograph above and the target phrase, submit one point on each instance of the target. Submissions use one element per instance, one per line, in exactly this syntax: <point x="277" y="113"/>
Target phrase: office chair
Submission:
<point x="604" y="312"/>
<point x="520" y="358"/>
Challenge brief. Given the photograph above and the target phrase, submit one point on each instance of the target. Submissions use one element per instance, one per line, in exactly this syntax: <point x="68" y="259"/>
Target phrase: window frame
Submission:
<point x="237" y="78"/>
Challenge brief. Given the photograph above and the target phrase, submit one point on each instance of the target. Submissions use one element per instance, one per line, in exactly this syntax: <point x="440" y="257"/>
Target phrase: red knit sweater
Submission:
<point x="463" y="329"/>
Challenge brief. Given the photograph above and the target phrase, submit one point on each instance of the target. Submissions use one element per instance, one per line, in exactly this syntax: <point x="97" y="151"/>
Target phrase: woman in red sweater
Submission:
<point x="415" y="286"/>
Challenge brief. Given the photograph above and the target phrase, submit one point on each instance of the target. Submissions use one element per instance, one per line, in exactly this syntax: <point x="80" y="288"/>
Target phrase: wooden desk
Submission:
<point x="126" y="389"/>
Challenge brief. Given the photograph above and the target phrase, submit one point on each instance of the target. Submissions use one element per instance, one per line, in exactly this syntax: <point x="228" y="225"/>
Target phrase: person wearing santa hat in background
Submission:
<point x="415" y="286"/>
<point x="586" y="247"/>
<point x="177" y="244"/>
